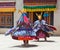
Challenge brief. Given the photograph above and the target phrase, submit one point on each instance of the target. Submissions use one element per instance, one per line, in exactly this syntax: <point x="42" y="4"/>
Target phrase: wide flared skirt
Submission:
<point x="41" y="34"/>
<point x="24" y="37"/>
<point x="24" y="33"/>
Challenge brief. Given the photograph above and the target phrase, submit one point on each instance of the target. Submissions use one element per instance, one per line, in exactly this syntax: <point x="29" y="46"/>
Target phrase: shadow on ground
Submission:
<point x="23" y="46"/>
<point x="44" y="41"/>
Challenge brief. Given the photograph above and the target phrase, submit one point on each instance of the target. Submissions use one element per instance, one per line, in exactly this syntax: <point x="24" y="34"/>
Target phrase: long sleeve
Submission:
<point x="35" y="23"/>
<point x="44" y="22"/>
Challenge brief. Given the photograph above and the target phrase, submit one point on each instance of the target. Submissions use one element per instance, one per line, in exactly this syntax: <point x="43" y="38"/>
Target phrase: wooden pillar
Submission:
<point x="49" y="20"/>
<point x="31" y="16"/>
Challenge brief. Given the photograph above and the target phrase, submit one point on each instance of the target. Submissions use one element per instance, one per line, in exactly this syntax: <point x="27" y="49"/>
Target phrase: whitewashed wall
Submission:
<point x="19" y="6"/>
<point x="57" y="18"/>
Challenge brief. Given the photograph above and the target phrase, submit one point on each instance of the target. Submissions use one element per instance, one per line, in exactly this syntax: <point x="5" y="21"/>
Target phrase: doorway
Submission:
<point x="49" y="19"/>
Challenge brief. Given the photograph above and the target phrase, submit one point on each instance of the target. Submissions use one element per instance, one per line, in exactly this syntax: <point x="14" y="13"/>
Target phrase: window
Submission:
<point x="6" y="19"/>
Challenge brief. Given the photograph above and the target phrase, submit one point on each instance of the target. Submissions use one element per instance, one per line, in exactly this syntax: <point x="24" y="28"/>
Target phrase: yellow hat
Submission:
<point x="22" y="11"/>
<point x="39" y="16"/>
<point x="19" y="11"/>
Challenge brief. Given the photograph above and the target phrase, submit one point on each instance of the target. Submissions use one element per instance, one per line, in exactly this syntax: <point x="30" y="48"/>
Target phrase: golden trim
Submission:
<point x="35" y="10"/>
<point x="7" y="9"/>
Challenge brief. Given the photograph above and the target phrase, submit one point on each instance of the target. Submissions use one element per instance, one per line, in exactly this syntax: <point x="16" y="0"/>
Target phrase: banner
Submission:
<point x="40" y="5"/>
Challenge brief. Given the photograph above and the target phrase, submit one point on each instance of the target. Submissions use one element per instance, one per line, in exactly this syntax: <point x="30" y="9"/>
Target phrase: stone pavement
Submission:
<point x="7" y="43"/>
